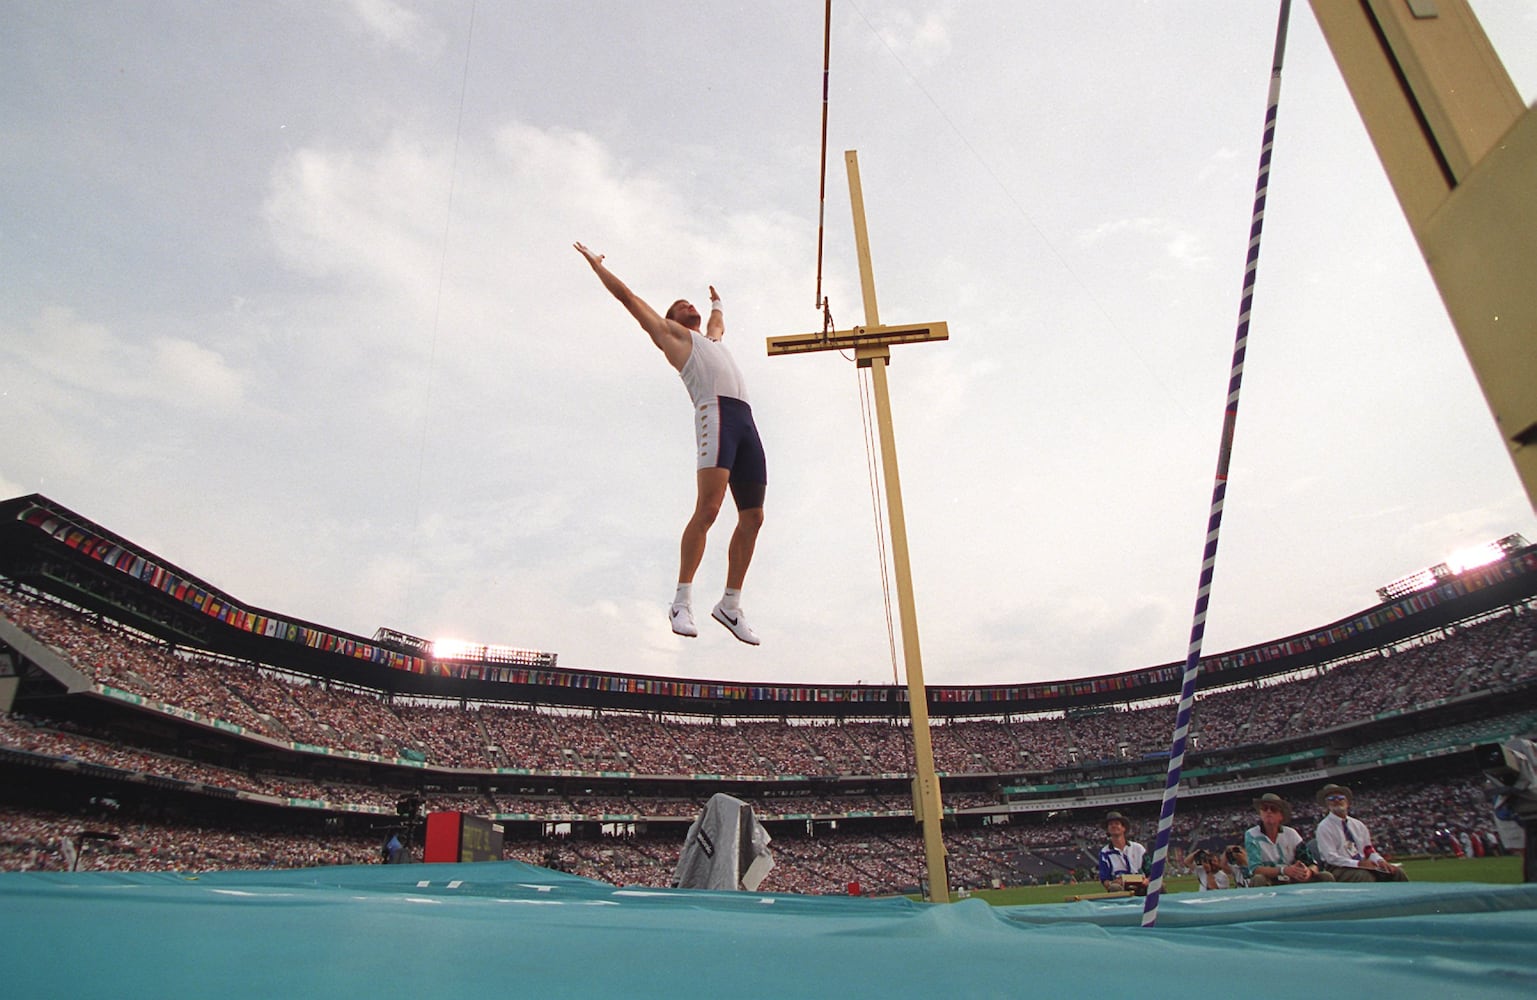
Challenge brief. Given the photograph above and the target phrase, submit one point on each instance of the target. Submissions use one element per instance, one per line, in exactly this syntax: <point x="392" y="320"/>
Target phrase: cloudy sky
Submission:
<point x="289" y="298"/>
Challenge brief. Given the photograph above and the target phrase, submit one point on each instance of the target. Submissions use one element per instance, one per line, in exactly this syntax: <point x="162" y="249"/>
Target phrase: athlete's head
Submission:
<point x="684" y="313"/>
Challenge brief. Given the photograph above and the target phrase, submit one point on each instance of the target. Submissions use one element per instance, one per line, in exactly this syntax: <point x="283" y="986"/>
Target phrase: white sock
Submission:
<point x="685" y="595"/>
<point x="731" y="600"/>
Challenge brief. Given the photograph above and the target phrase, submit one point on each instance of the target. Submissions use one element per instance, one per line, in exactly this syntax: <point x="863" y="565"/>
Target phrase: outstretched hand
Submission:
<point x="592" y="258"/>
<point x="713" y="296"/>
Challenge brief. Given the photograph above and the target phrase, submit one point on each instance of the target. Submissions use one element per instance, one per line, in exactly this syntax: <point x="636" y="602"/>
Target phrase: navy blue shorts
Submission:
<point x="728" y="439"/>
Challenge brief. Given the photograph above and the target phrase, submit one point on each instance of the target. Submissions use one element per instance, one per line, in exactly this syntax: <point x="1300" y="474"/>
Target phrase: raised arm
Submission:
<point x="715" y="327"/>
<point x="673" y="339"/>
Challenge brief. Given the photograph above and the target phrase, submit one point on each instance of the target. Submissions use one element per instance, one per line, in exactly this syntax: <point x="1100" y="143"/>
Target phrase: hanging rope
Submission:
<point x="872" y="460"/>
<point x="1219" y="492"/>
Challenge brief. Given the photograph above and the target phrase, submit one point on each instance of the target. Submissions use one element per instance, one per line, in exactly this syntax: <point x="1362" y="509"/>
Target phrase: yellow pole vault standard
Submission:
<point x="872" y="349"/>
<point x="1460" y="150"/>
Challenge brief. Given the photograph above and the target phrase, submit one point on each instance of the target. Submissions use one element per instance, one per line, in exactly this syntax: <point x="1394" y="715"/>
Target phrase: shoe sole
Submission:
<point x="716" y="614"/>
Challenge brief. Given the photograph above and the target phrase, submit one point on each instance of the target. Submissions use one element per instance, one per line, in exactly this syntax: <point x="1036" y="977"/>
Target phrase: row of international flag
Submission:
<point x="212" y="603"/>
<point x="1129" y="683"/>
<point x="216" y="605"/>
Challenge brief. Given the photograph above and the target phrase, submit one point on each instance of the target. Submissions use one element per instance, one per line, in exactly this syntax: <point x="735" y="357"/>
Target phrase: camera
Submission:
<point x="1511" y="770"/>
<point x="1512" y="766"/>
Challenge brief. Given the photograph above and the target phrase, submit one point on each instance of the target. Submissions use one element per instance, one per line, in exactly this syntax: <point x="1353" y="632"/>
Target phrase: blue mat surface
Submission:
<point x="468" y="930"/>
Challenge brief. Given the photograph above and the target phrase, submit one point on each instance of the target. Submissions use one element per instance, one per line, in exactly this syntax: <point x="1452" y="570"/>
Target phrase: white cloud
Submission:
<point x="922" y="37"/>
<point x="374" y="218"/>
<point x="1220" y="164"/>
<point x="89" y="359"/>
<point x="199" y="377"/>
<point x="1180" y="245"/>
<point x="396" y="26"/>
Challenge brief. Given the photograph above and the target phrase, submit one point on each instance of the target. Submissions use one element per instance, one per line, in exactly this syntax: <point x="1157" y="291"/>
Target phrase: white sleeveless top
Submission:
<point x="710" y="371"/>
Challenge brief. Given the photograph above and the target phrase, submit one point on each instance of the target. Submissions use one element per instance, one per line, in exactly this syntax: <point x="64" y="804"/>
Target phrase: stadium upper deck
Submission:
<point x="53" y="549"/>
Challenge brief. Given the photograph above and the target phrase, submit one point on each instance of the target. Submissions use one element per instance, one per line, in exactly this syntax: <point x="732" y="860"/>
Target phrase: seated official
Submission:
<point x="1121" y="861"/>
<point x="1275" y="850"/>
<point x="1345" y="844"/>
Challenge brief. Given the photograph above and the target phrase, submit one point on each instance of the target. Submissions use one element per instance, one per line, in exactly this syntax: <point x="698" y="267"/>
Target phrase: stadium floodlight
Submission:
<point x="462" y="651"/>
<point x="1459" y="562"/>
<point x="1474" y="556"/>
<point x="1422" y="579"/>
<point x="456" y="649"/>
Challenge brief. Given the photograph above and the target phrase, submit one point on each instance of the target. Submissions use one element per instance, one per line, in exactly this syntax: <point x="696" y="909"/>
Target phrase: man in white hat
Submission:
<point x="1273" y="847"/>
<point x="1345" y="844"/>
<point x="1120" y="857"/>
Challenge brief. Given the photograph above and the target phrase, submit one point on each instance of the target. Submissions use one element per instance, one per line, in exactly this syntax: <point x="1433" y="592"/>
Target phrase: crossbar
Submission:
<point x="858" y="337"/>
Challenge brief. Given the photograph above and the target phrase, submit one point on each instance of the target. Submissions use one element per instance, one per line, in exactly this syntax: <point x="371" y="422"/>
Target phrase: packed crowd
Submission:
<point x="35" y="840"/>
<point x="1418" y="818"/>
<point x="1446" y="818"/>
<point x="288" y="709"/>
<point x="69" y="742"/>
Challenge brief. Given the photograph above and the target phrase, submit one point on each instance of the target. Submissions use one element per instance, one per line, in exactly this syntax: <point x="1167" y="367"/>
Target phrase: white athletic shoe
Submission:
<point x="683" y="620"/>
<point x="736" y="622"/>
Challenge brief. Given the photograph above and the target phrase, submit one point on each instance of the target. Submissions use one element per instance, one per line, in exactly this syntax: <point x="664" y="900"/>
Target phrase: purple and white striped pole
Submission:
<point x="1218" y="494"/>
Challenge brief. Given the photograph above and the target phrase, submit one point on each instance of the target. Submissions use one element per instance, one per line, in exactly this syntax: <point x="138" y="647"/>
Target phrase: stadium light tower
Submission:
<point x="1456" y="563"/>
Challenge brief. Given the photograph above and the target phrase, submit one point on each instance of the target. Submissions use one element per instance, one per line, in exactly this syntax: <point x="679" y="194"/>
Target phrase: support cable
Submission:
<point x="437" y="304"/>
<point x="872" y="468"/>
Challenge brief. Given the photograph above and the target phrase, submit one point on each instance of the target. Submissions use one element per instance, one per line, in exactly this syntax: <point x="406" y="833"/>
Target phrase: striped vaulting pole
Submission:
<point x="1218" y="493"/>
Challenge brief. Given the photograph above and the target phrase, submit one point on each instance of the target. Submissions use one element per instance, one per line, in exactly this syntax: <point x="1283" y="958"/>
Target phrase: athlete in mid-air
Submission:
<point x="730" y="452"/>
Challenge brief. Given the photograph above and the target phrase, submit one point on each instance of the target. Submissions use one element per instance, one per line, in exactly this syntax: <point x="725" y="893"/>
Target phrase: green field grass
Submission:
<point x="1491" y="870"/>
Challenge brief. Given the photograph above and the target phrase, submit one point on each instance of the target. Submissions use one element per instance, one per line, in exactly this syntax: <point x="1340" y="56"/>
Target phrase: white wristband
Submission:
<point x="715" y="306"/>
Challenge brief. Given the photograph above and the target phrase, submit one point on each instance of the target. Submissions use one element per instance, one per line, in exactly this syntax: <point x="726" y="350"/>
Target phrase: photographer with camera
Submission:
<point x="1222" y="869"/>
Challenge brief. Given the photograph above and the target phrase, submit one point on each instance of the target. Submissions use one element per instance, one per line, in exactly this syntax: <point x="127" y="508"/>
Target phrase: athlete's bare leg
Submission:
<point x="743" y="540"/>
<point x="712" y="492"/>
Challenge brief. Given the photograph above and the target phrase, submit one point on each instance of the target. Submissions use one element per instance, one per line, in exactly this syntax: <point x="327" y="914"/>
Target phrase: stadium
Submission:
<point x="136" y="683"/>
<point x="201" y="792"/>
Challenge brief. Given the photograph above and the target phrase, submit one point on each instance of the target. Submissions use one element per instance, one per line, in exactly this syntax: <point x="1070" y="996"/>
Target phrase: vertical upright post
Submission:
<point x="927" y="808"/>
<point x="1460" y="149"/>
<point x="862" y="239"/>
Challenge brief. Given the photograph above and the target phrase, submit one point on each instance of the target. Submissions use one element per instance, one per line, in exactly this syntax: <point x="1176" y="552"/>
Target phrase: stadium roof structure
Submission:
<point x="56" y="551"/>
